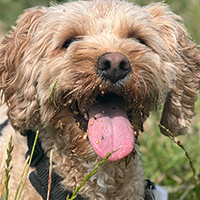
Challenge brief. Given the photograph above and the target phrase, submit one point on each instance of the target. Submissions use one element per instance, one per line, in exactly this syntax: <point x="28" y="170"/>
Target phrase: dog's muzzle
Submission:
<point x="113" y="66"/>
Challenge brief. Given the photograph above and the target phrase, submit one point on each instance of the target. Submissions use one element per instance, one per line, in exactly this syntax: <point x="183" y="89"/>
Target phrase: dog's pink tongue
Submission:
<point x="108" y="129"/>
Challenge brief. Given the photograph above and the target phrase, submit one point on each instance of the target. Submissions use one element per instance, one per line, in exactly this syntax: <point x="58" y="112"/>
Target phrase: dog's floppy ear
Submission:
<point x="12" y="50"/>
<point x="179" y="105"/>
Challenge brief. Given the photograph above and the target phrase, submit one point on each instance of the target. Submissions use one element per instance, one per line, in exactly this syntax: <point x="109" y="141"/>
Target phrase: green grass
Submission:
<point x="4" y="193"/>
<point x="8" y="167"/>
<point x="89" y="175"/>
<point x="166" y="164"/>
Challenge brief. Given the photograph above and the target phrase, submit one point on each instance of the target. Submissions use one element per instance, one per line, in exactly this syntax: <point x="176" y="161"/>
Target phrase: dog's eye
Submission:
<point x="67" y="43"/>
<point x="141" y="41"/>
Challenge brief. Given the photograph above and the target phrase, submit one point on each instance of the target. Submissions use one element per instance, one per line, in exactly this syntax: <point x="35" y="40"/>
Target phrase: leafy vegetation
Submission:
<point x="166" y="164"/>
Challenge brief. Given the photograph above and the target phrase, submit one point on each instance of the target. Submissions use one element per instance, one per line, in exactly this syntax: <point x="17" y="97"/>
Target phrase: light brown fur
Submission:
<point x="32" y="59"/>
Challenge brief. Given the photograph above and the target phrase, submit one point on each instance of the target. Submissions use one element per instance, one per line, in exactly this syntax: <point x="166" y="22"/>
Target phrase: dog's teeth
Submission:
<point x="86" y="117"/>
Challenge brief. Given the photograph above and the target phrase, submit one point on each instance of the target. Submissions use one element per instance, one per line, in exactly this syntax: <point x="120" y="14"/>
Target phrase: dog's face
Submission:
<point x="89" y="73"/>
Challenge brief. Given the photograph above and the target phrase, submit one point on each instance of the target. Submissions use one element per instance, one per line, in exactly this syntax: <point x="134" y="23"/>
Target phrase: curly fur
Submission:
<point x="62" y="44"/>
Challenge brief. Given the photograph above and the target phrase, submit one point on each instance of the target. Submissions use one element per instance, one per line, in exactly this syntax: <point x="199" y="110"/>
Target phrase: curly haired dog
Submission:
<point x="86" y="74"/>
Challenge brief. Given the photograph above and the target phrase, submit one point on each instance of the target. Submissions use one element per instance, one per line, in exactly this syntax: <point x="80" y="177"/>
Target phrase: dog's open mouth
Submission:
<point x="108" y="127"/>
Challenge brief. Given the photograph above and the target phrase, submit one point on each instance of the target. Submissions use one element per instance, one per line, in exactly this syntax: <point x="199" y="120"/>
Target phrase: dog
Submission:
<point x="86" y="75"/>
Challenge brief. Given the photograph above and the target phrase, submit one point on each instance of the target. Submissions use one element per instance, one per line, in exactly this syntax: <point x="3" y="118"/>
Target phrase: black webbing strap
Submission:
<point x="39" y="179"/>
<point x="149" y="187"/>
<point x="40" y="176"/>
<point x="3" y="125"/>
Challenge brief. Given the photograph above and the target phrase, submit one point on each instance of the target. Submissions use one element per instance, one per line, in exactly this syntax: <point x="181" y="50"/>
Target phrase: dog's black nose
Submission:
<point x="113" y="66"/>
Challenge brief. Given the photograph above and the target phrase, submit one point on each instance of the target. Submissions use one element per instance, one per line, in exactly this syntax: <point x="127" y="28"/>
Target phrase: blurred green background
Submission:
<point x="189" y="10"/>
<point x="165" y="163"/>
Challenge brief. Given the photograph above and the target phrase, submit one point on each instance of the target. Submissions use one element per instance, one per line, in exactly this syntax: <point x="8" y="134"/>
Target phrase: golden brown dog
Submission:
<point x="87" y="74"/>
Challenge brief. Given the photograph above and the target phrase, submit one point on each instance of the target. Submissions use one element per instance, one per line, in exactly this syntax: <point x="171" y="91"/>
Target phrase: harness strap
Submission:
<point x="149" y="187"/>
<point x="3" y="125"/>
<point x="40" y="176"/>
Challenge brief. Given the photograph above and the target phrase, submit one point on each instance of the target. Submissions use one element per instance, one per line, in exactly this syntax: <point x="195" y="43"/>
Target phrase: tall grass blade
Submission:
<point x="8" y="167"/>
<point x="94" y="171"/>
<point x="50" y="174"/>
<point x="171" y="135"/>
<point x="22" y="175"/>
<point x="54" y="87"/>
<point x="29" y="163"/>
<point x="2" y="188"/>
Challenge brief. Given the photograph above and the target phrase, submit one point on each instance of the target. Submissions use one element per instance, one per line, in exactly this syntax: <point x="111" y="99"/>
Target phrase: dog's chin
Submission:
<point x="107" y="124"/>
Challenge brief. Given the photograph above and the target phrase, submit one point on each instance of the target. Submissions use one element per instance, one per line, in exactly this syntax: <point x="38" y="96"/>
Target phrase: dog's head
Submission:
<point x="90" y="72"/>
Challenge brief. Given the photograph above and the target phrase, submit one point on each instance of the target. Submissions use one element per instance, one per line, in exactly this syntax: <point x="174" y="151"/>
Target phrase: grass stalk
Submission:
<point x="2" y="188"/>
<point x="94" y="171"/>
<point x="8" y="167"/>
<point x="50" y="175"/>
<point x="171" y="135"/>
<point x="22" y="175"/>
<point x="54" y="87"/>
<point x="29" y="163"/>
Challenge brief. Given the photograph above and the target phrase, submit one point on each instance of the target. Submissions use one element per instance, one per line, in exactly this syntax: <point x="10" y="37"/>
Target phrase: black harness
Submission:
<point x="2" y="126"/>
<point x="40" y="176"/>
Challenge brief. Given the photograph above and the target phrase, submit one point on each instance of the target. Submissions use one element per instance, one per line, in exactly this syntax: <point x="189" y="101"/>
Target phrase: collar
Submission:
<point x="40" y="176"/>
